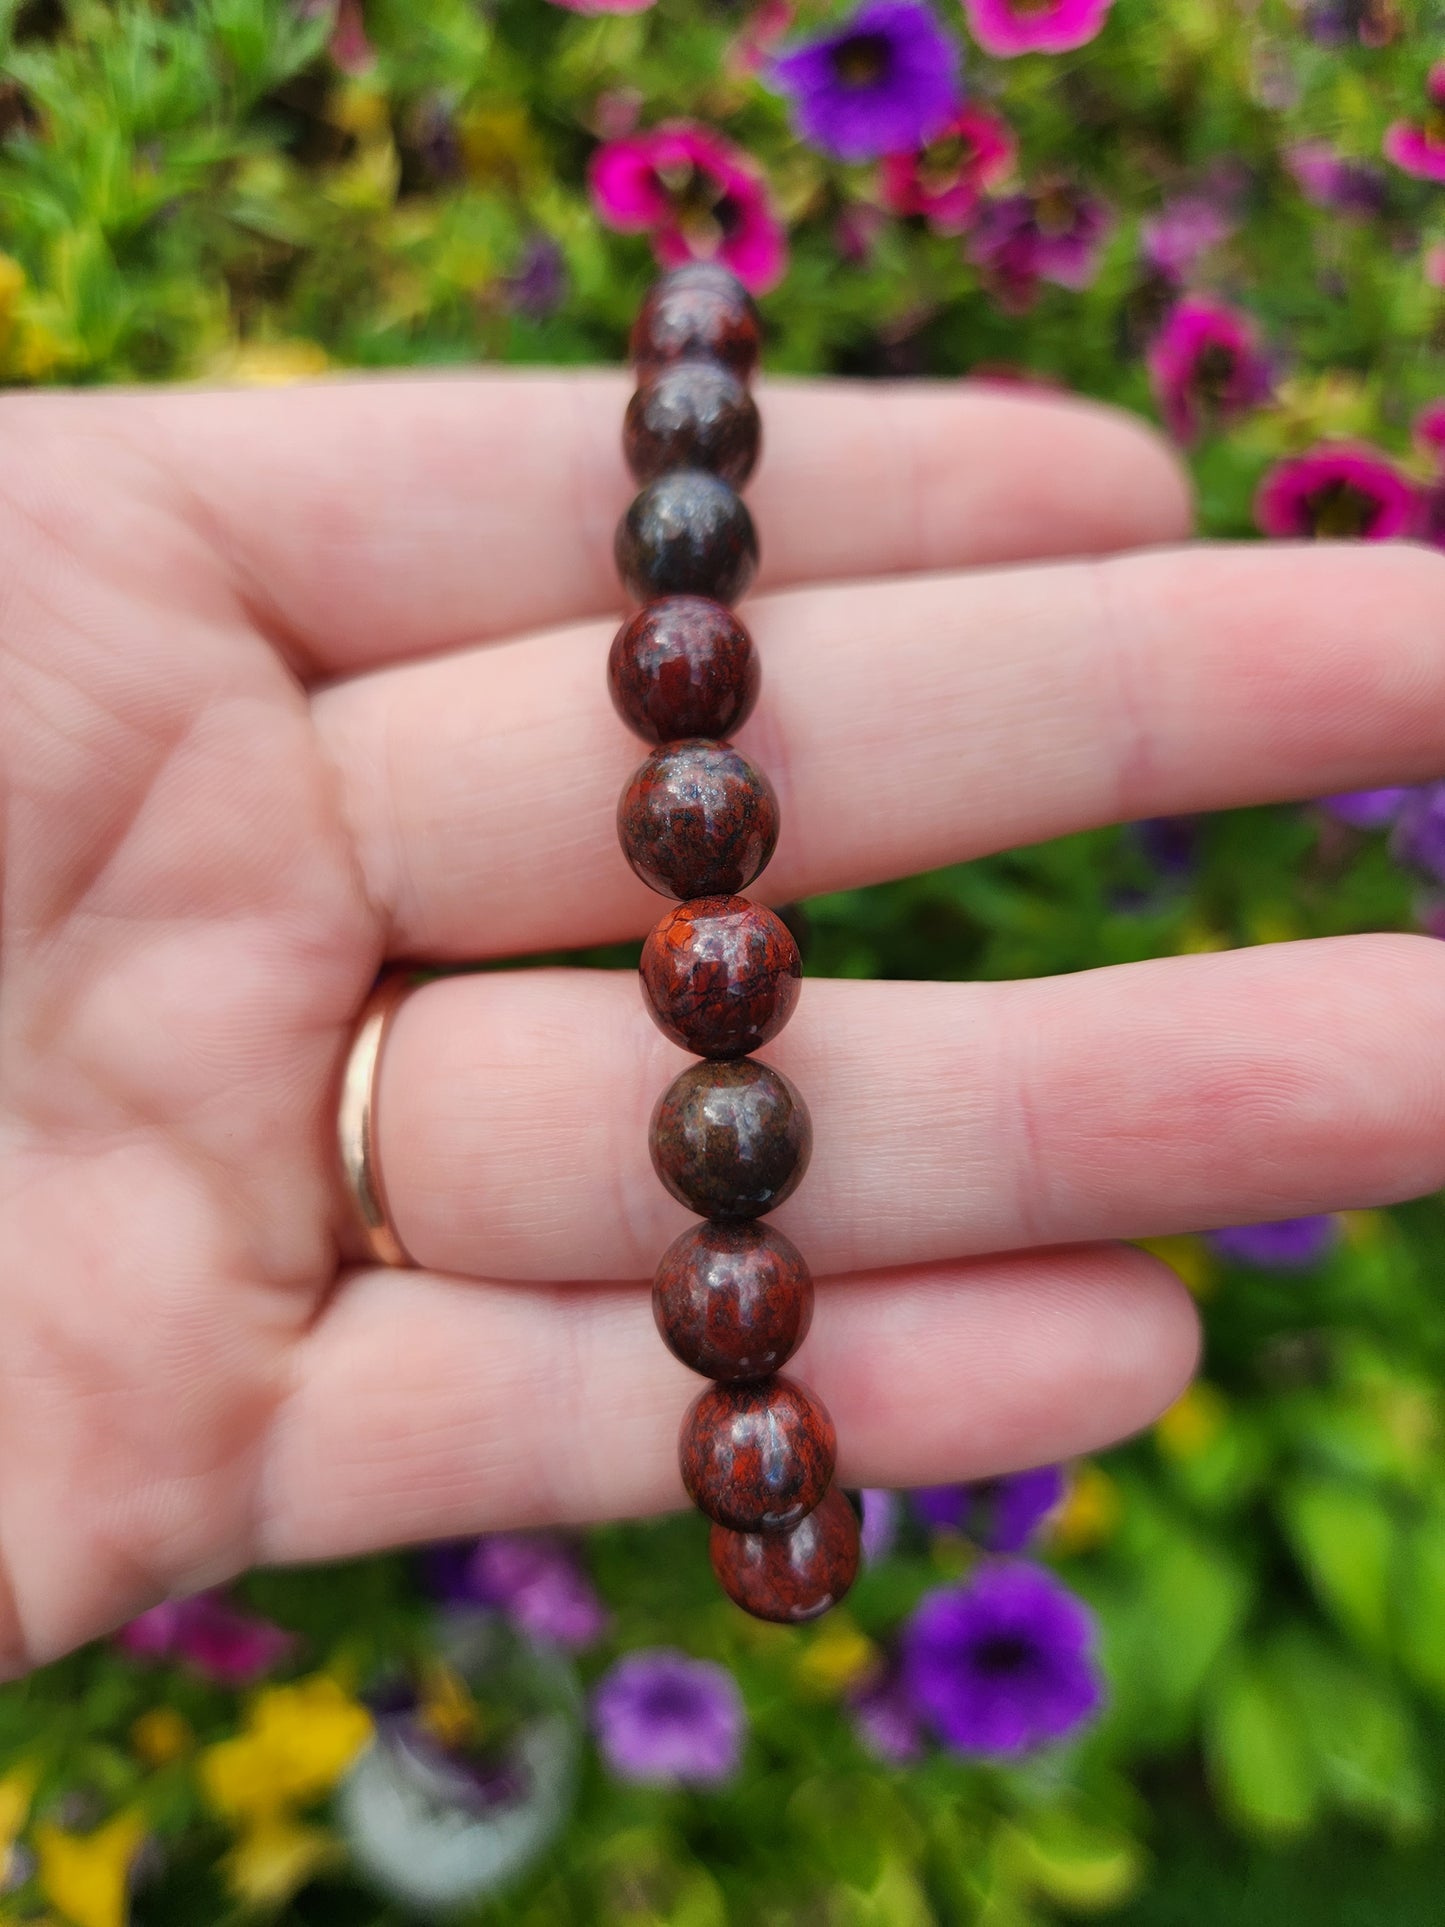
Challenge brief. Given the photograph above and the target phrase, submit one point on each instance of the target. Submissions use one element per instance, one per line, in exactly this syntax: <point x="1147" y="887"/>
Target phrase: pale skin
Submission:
<point x="294" y="683"/>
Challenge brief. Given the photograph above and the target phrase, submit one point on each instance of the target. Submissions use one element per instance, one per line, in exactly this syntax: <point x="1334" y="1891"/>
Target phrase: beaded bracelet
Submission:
<point x="730" y="1137"/>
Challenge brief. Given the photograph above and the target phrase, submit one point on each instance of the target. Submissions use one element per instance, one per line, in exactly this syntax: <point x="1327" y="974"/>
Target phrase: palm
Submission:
<point x="256" y="737"/>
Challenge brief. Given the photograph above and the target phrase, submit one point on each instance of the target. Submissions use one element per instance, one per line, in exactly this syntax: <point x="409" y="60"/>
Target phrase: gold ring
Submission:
<point x="356" y="1123"/>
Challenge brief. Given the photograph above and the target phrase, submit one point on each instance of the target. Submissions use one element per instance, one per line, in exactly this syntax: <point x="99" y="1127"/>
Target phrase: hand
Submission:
<point x="291" y="683"/>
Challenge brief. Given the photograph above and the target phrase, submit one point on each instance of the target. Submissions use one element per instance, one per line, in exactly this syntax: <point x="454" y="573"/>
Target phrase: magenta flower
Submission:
<point x="945" y="180"/>
<point x="1003" y="1664"/>
<point x="1420" y="148"/>
<point x="1008" y="27"/>
<point x="885" y="82"/>
<point x="1206" y="367"/>
<point x="209" y="1636"/>
<point x="1289" y="1244"/>
<point x="1338" y="489"/>
<point x="668" y="1720"/>
<point x="1052" y="233"/>
<point x="1328" y="179"/>
<point x="1178" y="237"/>
<point x="1430" y="431"/>
<point x="699" y="197"/>
<point x="604" y="6"/>
<point x="1001" y="1515"/>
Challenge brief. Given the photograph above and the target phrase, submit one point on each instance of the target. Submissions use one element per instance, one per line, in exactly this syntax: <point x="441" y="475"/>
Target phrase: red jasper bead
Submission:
<point x="731" y="1139"/>
<point x="687" y="533"/>
<point x="733" y="1300"/>
<point x="697" y="820"/>
<point x="757" y="1457"/>
<point x="697" y="311"/>
<point x="692" y="414"/>
<point x="792" y="1576"/>
<point x="683" y="666"/>
<point x="721" y="975"/>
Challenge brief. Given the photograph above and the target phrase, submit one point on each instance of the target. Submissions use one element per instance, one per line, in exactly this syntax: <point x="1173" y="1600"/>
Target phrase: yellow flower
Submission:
<point x="1188" y="1259"/>
<point x="17" y="1790"/>
<point x="838" y="1654"/>
<point x="297" y="1742"/>
<point x="448" y="1710"/>
<point x="269" y="364"/>
<point x="1090" y="1513"/>
<point x="161" y="1735"/>
<point x="1193" y="1422"/>
<point x="274" y="1858"/>
<point x="1197" y="936"/>
<point x="85" y="1874"/>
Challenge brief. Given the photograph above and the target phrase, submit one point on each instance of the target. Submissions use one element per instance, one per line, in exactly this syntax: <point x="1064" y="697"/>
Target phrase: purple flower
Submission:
<point x="945" y="181"/>
<point x="1419" y="148"/>
<point x="1054" y="233"/>
<point x="536" y="1579"/>
<point x="1002" y="1664"/>
<point x="1419" y="838"/>
<point x="1001" y="1515"/>
<point x="880" y="1523"/>
<point x="1008" y="27"/>
<point x="668" y="1720"/>
<point x="1328" y="179"/>
<point x="885" y="83"/>
<point x="539" y="285"/>
<point x="1373" y="23"/>
<point x="1289" y="1244"/>
<point x="885" y="1718"/>
<point x="1337" y="489"/>
<point x="1206" y="366"/>
<point x="1178" y="237"/>
<point x="210" y="1636"/>
<point x="1365" y="809"/>
<point x="1169" y="844"/>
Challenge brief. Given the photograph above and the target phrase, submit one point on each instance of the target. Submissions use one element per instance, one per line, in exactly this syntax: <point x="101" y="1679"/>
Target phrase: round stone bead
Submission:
<point x="692" y="414"/>
<point x="791" y="1576"/>
<point x="687" y="533"/>
<point x="721" y="975"/>
<point x="733" y="1301"/>
<point x="697" y="820"/>
<point x="698" y="312"/>
<point x="731" y="1139"/>
<point x="683" y="666"/>
<point x="757" y="1457"/>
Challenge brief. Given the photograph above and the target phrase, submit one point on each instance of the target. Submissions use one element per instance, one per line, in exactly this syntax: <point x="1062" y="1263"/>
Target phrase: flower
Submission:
<point x="536" y="1579"/>
<point x="275" y="1857"/>
<point x="944" y="180"/>
<point x="17" y="1790"/>
<point x="210" y="1636"/>
<point x="1008" y="27"/>
<point x="1336" y="489"/>
<point x="1328" y="179"/>
<point x="1420" y="149"/>
<point x="760" y="33"/>
<point x="665" y="1719"/>
<point x="1193" y="1422"/>
<point x="1176" y="239"/>
<point x="604" y="6"/>
<point x="1051" y="233"/>
<point x="880" y="1523"/>
<point x="1003" y="1664"/>
<point x="1430" y="430"/>
<point x="1289" y="1244"/>
<point x="295" y="1744"/>
<point x="1365" y="809"/>
<point x="885" y="82"/>
<point x="86" y="1875"/>
<point x="1206" y="367"/>
<point x="699" y="197"/>
<point x="1419" y="838"/>
<point x="885" y="1718"/>
<point x="1002" y="1515"/>
<point x="1373" y="23"/>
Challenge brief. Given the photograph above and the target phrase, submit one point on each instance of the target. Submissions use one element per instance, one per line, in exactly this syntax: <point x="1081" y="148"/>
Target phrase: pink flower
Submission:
<point x="1182" y="233"/>
<point x="1052" y="233"/>
<point x="1329" y="180"/>
<point x="1008" y="27"/>
<point x="1206" y="367"/>
<point x="604" y="6"/>
<point x="699" y="197"/>
<point x="1337" y="489"/>
<point x="753" y="48"/>
<point x="945" y="180"/>
<point x="1433" y="267"/>
<point x="1430" y="431"/>
<point x="1421" y="149"/>
<point x="211" y="1636"/>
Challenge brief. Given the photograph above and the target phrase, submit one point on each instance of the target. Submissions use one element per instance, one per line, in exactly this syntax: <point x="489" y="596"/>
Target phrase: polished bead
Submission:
<point x="721" y="975"/>
<point x="697" y="820"/>
<point x="683" y="666"/>
<point x="698" y="311"/>
<point x="733" y="1300"/>
<point x="791" y="1576"/>
<point x="692" y="414"/>
<point x="731" y="1139"/>
<point x="687" y="533"/>
<point x="757" y="1457"/>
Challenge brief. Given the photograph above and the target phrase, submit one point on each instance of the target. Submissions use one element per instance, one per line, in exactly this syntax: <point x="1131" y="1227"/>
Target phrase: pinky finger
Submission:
<point x="427" y="1407"/>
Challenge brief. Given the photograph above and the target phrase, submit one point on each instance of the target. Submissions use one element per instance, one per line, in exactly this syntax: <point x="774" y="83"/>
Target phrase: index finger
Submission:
<point x="369" y="521"/>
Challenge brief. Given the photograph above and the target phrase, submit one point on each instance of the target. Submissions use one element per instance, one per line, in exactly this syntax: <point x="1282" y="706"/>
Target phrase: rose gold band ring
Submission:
<point x="356" y="1123"/>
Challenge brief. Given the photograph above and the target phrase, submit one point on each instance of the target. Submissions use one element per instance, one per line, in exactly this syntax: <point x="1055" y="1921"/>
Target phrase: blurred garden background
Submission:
<point x="1200" y="1678"/>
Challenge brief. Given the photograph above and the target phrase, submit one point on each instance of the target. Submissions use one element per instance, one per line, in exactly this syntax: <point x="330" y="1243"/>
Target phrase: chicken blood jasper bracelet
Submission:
<point x="697" y="821"/>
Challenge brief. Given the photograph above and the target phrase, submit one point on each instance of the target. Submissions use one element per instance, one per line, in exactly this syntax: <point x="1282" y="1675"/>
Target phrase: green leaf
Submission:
<point x="1075" y="1863"/>
<point x="1258" y="1756"/>
<point x="1344" y="1538"/>
<point x="1358" y="1733"/>
<point x="1420" y="1603"/>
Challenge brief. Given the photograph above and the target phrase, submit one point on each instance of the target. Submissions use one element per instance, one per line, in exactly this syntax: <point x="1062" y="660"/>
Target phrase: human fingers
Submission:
<point x="949" y="1119"/>
<point x="904" y="725"/>
<point x="424" y="1407"/>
